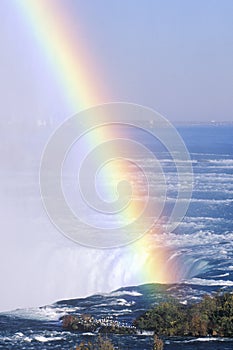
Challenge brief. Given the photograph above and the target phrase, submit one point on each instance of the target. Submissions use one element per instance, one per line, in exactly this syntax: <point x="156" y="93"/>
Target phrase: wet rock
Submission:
<point x="87" y="323"/>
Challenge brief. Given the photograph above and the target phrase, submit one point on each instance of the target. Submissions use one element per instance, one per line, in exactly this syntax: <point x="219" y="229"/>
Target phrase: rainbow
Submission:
<point x="66" y="51"/>
<point x="68" y="55"/>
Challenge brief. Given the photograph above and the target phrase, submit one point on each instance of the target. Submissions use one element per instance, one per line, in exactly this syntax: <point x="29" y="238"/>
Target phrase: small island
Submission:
<point x="87" y="323"/>
<point x="213" y="316"/>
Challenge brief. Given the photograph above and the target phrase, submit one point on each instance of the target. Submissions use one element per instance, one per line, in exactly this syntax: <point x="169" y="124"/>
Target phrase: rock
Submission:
<point x="87" y="323"/>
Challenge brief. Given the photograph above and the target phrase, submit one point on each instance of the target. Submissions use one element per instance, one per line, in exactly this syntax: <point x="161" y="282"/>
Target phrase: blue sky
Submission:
<point x="175" y="56"/>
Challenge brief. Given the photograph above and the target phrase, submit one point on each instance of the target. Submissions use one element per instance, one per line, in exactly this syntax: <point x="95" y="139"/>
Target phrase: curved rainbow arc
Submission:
<point x="65" y="52"/>
<point x="72" y="65"/>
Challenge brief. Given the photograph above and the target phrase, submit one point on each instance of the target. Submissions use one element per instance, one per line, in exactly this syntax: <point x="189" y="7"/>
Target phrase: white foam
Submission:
<point x="120" y="312"/>
<point x="19" y="336"/>
<point x="202" y="200"/>
<point x="204" y="339"/>
<point x="210" y="154"/>
<point x="209" y="282"/>
<point x="47" y="313"/>
<point x="222" y="275"/>
<point x="123" y="302"/>
<point x="125" y="292"/>
<point x="221" y="161"/>
<point x="201" y="238"/>
<point x="147" y="333"/>
<point x="43" y="339"/>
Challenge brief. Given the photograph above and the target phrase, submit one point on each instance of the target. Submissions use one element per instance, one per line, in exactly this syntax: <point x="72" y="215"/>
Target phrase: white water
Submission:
<point x="43" y="266"/>
<point x="38" y="265"/>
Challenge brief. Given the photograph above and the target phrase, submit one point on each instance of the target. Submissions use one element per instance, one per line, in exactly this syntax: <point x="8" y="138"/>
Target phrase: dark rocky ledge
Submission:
<point x="87" y="323"/>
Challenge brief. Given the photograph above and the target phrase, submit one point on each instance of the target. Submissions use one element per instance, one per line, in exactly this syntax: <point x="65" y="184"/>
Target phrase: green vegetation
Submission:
<point x="158" y="343"/>
<point x="99" y="344"/>
<point x="106" y="344"/>
<point x="212" y="316"/>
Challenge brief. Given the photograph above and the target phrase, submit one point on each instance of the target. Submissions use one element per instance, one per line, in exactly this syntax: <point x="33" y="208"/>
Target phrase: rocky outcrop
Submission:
<point x="87" y="323"/>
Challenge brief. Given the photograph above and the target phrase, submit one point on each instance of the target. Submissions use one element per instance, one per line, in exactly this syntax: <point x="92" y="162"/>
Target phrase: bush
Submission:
<point x="211" y="316"/>
<point x="99" y="344"/>
<point x="158" y="343"/>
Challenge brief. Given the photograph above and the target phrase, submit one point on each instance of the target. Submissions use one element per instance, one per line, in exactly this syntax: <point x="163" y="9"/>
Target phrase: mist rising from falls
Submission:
<point x="39" y="265"/>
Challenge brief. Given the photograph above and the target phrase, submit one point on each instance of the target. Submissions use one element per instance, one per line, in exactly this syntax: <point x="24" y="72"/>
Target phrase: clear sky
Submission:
<point x="175" y="56"/>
